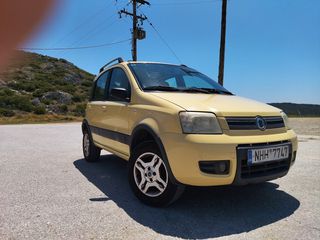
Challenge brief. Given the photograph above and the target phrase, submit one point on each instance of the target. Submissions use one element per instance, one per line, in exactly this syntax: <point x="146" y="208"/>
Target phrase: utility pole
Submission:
<point x="222" y="41"/>
<point x="137" y="32"/>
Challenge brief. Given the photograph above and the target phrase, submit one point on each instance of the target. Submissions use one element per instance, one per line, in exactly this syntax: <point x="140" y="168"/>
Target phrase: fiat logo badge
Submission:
<point x="261" y="123"/>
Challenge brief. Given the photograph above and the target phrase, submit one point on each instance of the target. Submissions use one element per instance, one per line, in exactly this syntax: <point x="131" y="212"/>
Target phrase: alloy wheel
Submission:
<point x="150" y="174"/>
<point x="86" y="144"/>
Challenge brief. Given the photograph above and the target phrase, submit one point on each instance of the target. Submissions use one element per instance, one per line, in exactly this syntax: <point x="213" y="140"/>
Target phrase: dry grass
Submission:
<point x="33" y="118"/>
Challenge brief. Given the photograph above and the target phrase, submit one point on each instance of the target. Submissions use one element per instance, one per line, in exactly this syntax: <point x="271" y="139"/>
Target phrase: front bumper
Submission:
<point x="185" y="151"/>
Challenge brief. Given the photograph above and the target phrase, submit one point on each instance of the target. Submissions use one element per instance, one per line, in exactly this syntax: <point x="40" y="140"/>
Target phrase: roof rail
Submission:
<point x="119" y="59"/>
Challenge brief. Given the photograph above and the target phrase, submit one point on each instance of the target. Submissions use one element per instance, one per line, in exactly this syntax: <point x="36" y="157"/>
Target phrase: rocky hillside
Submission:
<point x="42" y="85"/>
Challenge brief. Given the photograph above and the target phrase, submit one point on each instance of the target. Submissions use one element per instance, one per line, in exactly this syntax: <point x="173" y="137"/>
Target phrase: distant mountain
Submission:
<point x="38" y="85"/>
<point x="299" y="110"/>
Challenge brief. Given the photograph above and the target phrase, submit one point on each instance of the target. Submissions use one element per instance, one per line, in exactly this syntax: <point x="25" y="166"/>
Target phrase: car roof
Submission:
<point x="150" y="62"/>
<point x="135" y="62"/>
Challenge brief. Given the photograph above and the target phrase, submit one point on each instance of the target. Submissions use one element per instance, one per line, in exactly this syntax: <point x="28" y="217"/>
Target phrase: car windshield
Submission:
<point x="165" y="77"/>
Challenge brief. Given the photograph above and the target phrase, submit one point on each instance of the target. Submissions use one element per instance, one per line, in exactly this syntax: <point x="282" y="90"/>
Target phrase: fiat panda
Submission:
<point x="175" y="126"/>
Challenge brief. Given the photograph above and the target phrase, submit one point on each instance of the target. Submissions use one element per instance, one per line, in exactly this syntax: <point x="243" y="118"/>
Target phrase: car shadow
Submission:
<point x="201" y="212"/>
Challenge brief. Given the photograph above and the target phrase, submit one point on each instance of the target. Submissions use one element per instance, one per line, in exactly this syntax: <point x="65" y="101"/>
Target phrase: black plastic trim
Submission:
<point x="249" y="123"/>
<point x="119" y="59"/>
<point x="85" y="126"/>
<point x="209" y="167"/>
<point x="117" y="136"/>
<point x="160" y="145"/>
<point x="283" y="167"/>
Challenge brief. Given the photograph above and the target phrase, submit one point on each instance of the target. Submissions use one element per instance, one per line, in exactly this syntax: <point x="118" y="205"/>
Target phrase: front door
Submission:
<point x="117" y="112"/>
<point x="97" y="110"/>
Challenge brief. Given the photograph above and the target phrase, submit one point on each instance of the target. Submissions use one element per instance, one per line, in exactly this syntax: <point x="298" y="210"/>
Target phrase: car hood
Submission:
<point x="221" y="105"/>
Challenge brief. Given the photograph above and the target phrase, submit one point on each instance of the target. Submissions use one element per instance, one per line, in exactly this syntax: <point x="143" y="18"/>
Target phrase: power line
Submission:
<point x="162" y="39"/>
<point x="80" y="25"/>
<point x="97" y="27"/>
<point x="75" y="48"/>
<point x="93" y="30"/>
<point x="185" y="2"/>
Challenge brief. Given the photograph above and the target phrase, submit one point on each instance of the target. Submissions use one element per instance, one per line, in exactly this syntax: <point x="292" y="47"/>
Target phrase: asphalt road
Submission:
<point x="47" y="191"/>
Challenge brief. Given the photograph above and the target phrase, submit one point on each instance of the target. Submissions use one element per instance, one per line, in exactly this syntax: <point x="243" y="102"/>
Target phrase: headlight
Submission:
<point x="285" y="120"/>
<point x="199" y="122"/>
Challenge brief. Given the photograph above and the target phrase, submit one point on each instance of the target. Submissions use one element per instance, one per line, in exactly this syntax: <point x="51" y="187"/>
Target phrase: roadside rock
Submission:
<point x="36" y="102"/>
<point x="73" y="78"/>
<point x="48" y="67"/>
<point x="2" y="83"/>
<point x="59" y="96"/>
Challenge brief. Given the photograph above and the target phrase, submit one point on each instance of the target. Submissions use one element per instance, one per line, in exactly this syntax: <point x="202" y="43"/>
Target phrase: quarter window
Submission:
<point x="171" y="82"/>
<point x="195" y="81"/>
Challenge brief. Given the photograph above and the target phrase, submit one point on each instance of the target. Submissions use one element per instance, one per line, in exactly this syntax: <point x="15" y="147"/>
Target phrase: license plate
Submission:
<point x="261" y="155"/>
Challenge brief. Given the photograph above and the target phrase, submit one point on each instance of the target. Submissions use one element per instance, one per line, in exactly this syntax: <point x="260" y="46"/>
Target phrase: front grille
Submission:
<point x="249" y="123"/>
<point x="246" y="171"/>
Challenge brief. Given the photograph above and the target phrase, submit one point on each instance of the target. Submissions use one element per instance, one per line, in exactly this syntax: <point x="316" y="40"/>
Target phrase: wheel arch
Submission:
<point x="145" y="130"/>
<point x="86" y="127"/>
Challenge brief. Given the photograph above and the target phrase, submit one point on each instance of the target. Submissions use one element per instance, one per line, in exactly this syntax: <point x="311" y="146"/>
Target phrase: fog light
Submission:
<point x="215" y="167"/>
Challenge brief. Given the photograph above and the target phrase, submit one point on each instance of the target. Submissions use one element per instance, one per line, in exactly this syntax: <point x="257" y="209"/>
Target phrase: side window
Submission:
<point x="193" y="81"/>
<point x="118" y="79"/>
<point x="100" y="86"/>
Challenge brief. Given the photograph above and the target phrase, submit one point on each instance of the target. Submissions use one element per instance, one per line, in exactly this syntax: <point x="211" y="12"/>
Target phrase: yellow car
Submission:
<point x="177" y="127"/>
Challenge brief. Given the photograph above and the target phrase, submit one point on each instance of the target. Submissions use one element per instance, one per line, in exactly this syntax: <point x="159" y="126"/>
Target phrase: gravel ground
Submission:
<point x="306" y="126"/>
<point x="49" y="192"/>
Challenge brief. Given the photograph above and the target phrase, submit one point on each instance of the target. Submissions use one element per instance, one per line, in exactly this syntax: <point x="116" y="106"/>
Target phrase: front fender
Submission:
<point x="151" y="127"/>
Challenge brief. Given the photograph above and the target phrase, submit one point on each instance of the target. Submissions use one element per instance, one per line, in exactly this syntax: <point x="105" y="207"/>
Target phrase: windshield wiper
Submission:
<point x="173" y="89"/>
<point x="162" y="88"/>
<point x="213" y="90"/>
<point x="193" y="89"/>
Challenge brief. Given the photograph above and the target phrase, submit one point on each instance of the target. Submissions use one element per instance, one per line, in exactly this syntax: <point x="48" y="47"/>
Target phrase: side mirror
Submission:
<point x="120" y="94"/>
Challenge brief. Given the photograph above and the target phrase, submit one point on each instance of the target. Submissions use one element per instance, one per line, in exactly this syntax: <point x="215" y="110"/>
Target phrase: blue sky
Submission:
<point x="272" y="49"/>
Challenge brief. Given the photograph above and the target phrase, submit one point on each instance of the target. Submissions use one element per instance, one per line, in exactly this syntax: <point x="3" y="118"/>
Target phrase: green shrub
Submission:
<point x="47" y="101"/>
<point x="80" y="109"/>
<point x="69" y="88"/>
<point x="16" y="102"/>
<point x="6" y="92"/>
<point x="39" y="110"/>
<point x="6" y="112"/>
<point x="38" y="93"/>
<point x="87" y="83"/>
<point x="63" y="108"/>
<point x="77" y="98"/>
<point x="34" y="65"/>
<point x="63" y="60"/>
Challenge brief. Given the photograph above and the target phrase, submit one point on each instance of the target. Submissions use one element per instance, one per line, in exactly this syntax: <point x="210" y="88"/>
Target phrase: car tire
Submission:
<point x="149" y="176"/>
<point x="91" y="152"/>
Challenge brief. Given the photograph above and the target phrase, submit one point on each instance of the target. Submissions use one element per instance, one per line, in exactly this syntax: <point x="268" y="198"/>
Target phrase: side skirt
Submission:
<point x="121" y="155"/>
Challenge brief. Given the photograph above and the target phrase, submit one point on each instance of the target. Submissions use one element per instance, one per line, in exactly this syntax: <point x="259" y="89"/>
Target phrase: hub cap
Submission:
<point x="150" y="174"/>
<point x="86" y="144"/>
